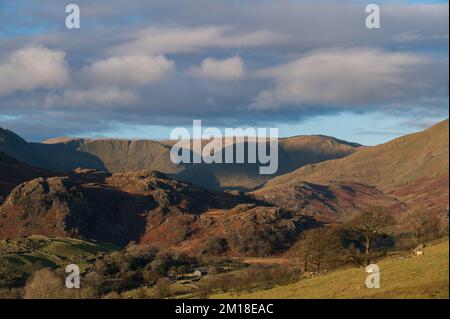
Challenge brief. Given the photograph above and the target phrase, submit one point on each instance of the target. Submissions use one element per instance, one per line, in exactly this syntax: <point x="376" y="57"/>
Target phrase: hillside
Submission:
<point x="20" y="257"/>
<point x="293" y="152"/>
<point x="399" y="162"/>
<point x="329" y="202"/>
<point x="16" y="147"/>
<point x="412" y="169"/>
<point x="13" y="172"/>
<point x="425" y="276"/>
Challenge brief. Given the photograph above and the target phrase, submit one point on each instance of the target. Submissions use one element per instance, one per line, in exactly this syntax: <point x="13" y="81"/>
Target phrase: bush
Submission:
<point x="11" y="276"/>
<point x="46" y="284"/>
<point x="215" y="246"/>
<point x="150" y="276"/>
<point x="205" y="287"/>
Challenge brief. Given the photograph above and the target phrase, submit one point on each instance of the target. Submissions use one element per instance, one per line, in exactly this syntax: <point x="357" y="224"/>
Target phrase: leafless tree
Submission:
<point x="162" y="288"/>
<point x="316" y="248"/>
<point x="359" y="235"/>
<point x="424" y="226"/>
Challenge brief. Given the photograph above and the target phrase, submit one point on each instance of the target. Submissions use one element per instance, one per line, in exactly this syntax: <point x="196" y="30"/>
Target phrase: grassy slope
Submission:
<point x="398" y="162"/>
<point x="412" y="277"/>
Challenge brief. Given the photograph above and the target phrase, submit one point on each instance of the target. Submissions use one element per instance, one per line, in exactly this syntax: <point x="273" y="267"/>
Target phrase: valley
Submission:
<point x="141" y="211"/>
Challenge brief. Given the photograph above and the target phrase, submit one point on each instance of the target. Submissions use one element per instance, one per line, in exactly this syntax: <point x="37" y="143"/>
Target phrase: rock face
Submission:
<point x="47" y="206"/>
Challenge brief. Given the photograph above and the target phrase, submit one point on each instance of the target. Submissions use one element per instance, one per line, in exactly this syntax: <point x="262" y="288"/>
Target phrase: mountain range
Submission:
<point x="120" y="190"/>
<point x="113" y="155"/>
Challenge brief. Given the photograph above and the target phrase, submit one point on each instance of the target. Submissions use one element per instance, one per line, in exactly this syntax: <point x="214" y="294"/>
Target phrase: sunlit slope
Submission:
<point x="401" y="277"/>
<point x="398" y="162"/>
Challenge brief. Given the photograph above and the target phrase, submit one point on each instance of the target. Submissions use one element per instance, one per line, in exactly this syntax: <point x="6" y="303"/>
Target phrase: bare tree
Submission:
<point x="359" y="235"/>
<point x="162" y="288"/>
<point x="424" y="226"/>
<point x="316" y="248"/>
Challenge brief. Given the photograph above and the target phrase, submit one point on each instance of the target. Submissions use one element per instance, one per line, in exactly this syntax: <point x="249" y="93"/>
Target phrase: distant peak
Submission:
<point x="65" y="140"/>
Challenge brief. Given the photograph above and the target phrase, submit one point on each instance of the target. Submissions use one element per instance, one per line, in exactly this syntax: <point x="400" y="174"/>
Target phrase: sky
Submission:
<point x="137" y="69"/>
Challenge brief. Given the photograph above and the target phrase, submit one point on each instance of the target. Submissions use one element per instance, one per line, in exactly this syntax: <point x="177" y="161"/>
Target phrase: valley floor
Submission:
<point x="424" y="276"/>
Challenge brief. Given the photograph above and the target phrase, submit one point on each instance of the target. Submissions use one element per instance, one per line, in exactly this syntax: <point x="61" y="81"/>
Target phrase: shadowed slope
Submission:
<point x="13" y="172"/>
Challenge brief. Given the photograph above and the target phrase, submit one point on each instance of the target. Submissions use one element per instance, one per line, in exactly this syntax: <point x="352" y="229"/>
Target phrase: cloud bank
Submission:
<point x="350" y="77"/>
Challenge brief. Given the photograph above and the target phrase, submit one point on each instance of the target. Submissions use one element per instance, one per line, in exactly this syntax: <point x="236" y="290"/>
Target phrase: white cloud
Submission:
<point x="155" y="40"/>
<point x="224" y="70"/>
<point x="128" y="70"/>
<point x="349" y="77"/>
<point x="101" y="95"/>
<point x="114" y="81"/>
<point x="33" y="68"/>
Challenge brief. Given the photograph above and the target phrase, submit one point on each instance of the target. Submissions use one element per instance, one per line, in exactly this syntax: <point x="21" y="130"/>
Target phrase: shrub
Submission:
<point x="46" y="284"/>
<point x="215" y="246"/>
<point x="11" y="276"/>
<point x="162" y="288"/>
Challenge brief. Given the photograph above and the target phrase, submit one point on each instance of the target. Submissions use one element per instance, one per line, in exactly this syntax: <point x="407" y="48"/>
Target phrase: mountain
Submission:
<point x="113" y="155"/>
<point x="117" y="155"/>
<point x="413" y="168"/>
<point x="293" y="152"/>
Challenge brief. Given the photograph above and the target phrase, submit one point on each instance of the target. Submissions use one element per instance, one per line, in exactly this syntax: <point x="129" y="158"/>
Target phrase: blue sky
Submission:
<point x="137" y="69"/>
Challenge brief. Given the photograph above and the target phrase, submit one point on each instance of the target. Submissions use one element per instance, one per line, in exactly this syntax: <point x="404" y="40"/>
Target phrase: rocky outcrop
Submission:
<point x="47" y="206"/>
<point x="149" y="208"/>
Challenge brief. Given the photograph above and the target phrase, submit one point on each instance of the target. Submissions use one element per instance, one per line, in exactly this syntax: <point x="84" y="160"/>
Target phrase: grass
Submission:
<point x="424" y="276"/>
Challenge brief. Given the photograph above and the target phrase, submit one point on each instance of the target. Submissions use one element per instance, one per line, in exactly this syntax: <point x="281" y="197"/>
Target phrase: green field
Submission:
<point x="424" y="276"/>
<point x="25" y="253"/>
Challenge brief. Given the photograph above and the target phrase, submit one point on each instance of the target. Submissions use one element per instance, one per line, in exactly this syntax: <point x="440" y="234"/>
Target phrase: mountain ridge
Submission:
<point x="422" y="142"/>
<point x="117" y="155"/>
